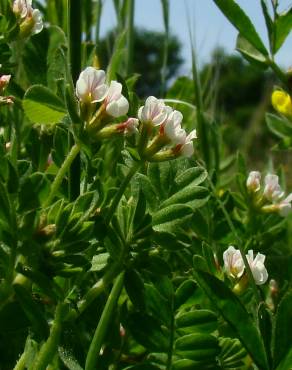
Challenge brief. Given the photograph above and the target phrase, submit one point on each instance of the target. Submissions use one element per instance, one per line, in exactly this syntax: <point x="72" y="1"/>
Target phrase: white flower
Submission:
<point x="22" y="8"/>
<point x="172" y="128"/>
<point x="187" y="148"/>
<point x="90" y="86"/>
<point x="154" y="111"/>
<point x="38" y="22"/>
<point x="257" y="267"/>
<point x="116" y="104"/>
<point x="130" y="126"/>
<point x="284" y="206"/>
<point x="272" y="191"/>
<point x="233" y="262"/>
<point x="4" y="81"/>
<point x="253" y="182"/>
<point x="30" y="18"/>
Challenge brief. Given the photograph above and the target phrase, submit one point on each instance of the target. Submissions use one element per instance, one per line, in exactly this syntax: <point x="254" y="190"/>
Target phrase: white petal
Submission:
<point x="187" y="149"/>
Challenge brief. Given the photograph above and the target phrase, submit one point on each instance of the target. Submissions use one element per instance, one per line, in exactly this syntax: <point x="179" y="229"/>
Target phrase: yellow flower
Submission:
<point x="282" y="103"/>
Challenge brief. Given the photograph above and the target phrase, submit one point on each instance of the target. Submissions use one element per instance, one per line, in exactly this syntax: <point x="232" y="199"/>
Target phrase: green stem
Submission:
<point x="49" y="348"/>
<point x="121" y="191"/>
<point x="239" y="243"/>
<point x="165" y="10"/>
<point x="97" y="341"/>
<point x="171" y="339"/>
<point x="279" y="73"/>
<point x="61" y="173"/>
<point x="130" y="34"/>
<point x="74" y="30"/>
<point x="99" y="287"/>
<point x="20" y="365"/>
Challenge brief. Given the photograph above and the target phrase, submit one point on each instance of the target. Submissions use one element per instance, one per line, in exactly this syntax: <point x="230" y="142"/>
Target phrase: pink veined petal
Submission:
<point x="114" y="91"/>
<point x="99" y="93"/>
<point x="187" y="149"/>
<point x="192" y="135"/>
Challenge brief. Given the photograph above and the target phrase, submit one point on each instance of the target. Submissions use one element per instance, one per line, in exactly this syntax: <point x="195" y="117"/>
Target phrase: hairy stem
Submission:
<point x="49" y="348"/>
<point x="97" y="341"/>
<point x="61" y="173"/>
<point x="121" y="191"/>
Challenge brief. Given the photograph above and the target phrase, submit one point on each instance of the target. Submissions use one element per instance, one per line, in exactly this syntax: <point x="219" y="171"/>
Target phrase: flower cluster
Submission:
<point x="282" y="103"/>
<point x="234" y="265"/>
<point x="156" y="114"/>
<point x="272" y="197"/>
<point x="100" y="101"/>
<point x="30" y="19"/>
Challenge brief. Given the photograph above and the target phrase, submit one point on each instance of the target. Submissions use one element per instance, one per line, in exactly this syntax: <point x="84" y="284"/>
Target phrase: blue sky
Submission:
<point x="211" y="28"/>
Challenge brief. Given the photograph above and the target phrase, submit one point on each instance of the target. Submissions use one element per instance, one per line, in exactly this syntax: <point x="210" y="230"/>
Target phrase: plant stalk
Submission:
<point x="49" y="348"/>
<point x="61" y="173"/>
<point x="74" y="29"/>
<point x="97" y="341"/>
<point x="121" y="191"/>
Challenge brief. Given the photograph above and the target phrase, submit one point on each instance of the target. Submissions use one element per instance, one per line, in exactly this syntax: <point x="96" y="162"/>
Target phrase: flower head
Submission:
<point x="253" y="182"/>
<point x="22" y="8"/>
<point x="233" y="262"/>
<point x="272" y="190"/>
<point x="116" y="104"/>
<point x="154" y="111"/>
<point x="282" y="102"/>
<point x="31" y="21"/>
<point x="257" y="267"/>
<point x="90" y="86"/>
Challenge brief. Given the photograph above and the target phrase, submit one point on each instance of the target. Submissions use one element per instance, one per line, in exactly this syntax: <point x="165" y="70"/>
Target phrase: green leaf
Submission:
<point x="286" y="362"/>
<point x="68" y="359"/>
<point x="235" y="314"/>
<point x="184" y="292"/>
<point x="192" y="176"/>
<point x="34" y="191"/>
<point x="279" y="126"/>
<point x="250" y="53"/>
<point x="42" y="106"/>
<point x="147" y="331"/>
<point x="193" y="196"/>
<point x="242" y="23"/>
<point x="32" y="311"/>
<point x="198" y="320"/>
<point x="197" y="346"/>
<point x="171" y="217"/>
<point x="283" y="27"/>
<point x="282" y="335"/>
<point x="99" y="261"/>
<point x="135" y="288"/>
<point x="5" y="213"/>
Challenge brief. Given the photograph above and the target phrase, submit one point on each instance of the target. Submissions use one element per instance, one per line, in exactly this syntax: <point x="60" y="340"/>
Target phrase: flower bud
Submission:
<point x="253" y="182"/>
<point x="272" y="190"/>
<point x="4" y="81"/>
<point x="257" y="267"/>
<point x="233" y="262"/>
<point x="282" y="103"/>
